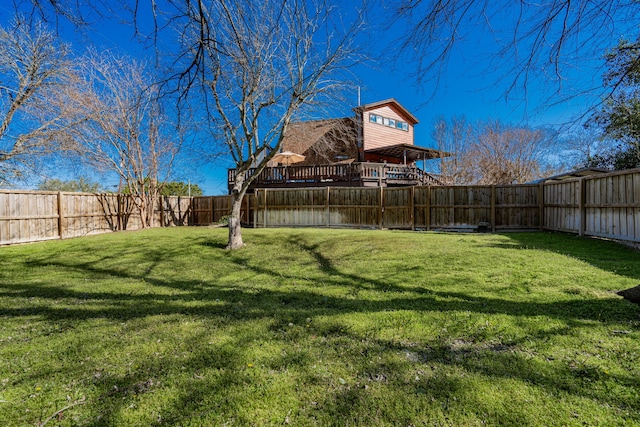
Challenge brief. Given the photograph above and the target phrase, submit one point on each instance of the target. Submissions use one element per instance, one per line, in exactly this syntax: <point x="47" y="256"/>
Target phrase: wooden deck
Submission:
<point x="363" y="174"/>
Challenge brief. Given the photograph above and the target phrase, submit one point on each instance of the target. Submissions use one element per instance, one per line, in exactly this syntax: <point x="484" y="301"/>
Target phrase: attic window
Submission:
<point x="385" y="121"/>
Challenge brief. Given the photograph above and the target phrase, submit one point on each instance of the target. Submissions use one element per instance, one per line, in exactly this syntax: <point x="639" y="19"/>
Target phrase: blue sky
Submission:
<point x="466" y="88"/>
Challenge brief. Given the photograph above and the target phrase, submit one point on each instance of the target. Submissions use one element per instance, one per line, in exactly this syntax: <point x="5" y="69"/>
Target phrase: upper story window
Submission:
<point x="385" y="121"/>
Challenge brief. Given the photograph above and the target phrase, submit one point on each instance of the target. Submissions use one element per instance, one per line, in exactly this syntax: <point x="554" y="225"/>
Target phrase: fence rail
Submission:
<point x="604" y="206"/>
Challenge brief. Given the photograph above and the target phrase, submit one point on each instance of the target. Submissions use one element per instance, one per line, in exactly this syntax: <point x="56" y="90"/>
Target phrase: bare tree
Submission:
<point x="37" y="79"/>
<point x="128" y="131"/>
<point x="532" y="40"/>
<point x="455" y="137"/>
<point x="582" y="145"/>
<point x="504" y="154"/>
<point x="259" y="65"/>
<point x="493" y="153"/>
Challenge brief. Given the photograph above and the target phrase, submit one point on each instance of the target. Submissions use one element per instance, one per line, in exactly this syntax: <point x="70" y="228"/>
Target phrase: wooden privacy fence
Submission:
<point x="29" y="216"/>
<point x="424" y="208"/>
<point x="210" y="209"/>
<point x="604" y="206"/>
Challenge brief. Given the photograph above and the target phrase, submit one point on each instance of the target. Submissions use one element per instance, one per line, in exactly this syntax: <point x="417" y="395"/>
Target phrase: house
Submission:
<point x="373" y="148"/>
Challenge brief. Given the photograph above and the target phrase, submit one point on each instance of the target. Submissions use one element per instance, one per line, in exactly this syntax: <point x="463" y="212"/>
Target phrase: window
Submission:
<point x="385" y="121"/>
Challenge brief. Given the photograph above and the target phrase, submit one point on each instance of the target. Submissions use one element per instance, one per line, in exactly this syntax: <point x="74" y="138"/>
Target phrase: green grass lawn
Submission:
<point x="318" y="327"/>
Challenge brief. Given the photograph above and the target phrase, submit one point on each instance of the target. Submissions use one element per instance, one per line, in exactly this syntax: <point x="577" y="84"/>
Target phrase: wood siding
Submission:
<point x="376" y="135"/>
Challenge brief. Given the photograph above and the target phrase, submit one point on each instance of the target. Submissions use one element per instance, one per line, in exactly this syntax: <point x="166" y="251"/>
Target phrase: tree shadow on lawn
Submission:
<point x="232" y="304"/>
<point x="603" y="254"/>
<point x="239" y="300"/>
<point x="301" y="304"/>
<point x="222" y="384"/>
<point x="578" y="377"/>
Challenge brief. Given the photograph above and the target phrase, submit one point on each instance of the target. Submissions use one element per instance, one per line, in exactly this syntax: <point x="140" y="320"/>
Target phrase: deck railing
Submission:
<point x="356" y="174"/>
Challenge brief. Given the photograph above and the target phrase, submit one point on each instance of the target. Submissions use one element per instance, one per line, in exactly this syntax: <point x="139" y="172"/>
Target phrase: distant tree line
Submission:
<point x="80" y="185"/>
<point x="84" y="185"/>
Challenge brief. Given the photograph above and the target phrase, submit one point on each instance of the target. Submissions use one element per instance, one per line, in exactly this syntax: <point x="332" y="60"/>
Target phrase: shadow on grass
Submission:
<point x="606" y="255"/>
<point x="236" y="303"/>
<point x="223" y="390"/>
<point x="573" y="375"/>
<point x="239" y="301"/>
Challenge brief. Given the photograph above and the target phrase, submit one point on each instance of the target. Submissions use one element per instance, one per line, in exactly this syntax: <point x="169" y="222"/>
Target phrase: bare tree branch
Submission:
<point x="541" y="41"/>
<point x="37" y="79"/>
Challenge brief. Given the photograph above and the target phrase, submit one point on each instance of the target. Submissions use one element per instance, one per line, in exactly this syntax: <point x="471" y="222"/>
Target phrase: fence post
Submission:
<point x="119" y="211"/>
<point x="60" y="216"/>
<point x="246" y="196"/>
<point x="493" y="208"/>
<point x="427" y="214"/>
<point x="212" y="207"/>
<point x="381" y="210"/>
<point x="265" y="208"/>
<point x="254" y="196"/>
<point x="412" y="213"/>
<point x="541" y="204"/>
<point x="161" y="202"/>
<point x="327" y="209"/>
<point x="582" y="209"/>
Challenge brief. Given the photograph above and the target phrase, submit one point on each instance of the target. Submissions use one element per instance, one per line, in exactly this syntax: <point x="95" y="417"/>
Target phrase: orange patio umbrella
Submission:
<point x="287" y="158"/>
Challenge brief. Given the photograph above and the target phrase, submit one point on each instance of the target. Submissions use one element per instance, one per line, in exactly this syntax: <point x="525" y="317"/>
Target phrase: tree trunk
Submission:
<point x="235" y="230"/>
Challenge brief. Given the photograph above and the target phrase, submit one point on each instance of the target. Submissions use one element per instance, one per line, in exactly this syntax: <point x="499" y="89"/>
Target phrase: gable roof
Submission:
<point x="390" y="102"/>
<point x="322" y="140"/>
